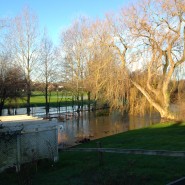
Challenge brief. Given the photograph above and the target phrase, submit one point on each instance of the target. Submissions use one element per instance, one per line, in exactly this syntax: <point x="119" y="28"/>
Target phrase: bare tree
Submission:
<point x="12" y="81"/>
<point x="159" y="48"/>
<point x="73" y="47"/>
<point x="24" y="37"/>
<point x="148" y="40"/>
<point x="47" y="66"/>
<point x="132" y="57"/>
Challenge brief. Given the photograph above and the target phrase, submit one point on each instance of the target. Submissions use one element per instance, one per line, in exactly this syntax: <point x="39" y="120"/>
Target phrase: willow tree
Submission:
<point x="149" y="41"/>
<point x="122" y="44"/>
<point x="104" y="77"/>
<point x="159" y="48"/>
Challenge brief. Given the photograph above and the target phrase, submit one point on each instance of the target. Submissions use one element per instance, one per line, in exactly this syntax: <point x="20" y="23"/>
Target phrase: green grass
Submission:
<point x="80" y="168"/>
<point x="37" y="100"/>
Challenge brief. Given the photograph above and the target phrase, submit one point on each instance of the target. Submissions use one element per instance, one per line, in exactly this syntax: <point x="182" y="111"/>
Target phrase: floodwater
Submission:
<point x="90" y="126"/>
<point x="38" y="111"/>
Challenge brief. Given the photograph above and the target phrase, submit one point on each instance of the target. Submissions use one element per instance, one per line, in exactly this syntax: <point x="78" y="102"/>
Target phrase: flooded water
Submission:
<point x="40" y="111"/>
<point x="90" y="126"/>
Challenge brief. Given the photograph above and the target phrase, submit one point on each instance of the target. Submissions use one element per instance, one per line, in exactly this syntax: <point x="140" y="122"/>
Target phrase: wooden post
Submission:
<point x="55" y="157"/>
<point x="100" y="153"/>
<point x="18" y="153"/>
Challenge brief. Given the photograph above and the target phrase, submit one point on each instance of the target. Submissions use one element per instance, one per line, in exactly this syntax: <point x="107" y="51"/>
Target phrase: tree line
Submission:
<point x="132" y="59"/>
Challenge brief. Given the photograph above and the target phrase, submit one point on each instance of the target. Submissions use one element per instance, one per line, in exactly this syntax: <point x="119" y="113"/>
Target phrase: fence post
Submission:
<point x="18" y="153"/>
<point x="100" y="153"/>
<point x="56" y="158"/>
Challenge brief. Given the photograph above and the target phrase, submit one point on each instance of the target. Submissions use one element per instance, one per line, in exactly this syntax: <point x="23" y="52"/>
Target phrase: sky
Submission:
<point x="56" y="15"/>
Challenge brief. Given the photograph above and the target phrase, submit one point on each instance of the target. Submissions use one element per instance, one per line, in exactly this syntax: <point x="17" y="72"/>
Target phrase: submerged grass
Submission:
<point x="80" y="168"/>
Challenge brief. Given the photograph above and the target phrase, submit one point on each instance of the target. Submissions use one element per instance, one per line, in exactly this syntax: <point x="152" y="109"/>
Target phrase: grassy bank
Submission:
<point x="80" y="168"/>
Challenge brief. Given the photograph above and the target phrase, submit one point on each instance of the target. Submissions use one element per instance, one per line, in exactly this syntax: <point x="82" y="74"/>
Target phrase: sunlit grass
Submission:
<point x="38" y="99"/>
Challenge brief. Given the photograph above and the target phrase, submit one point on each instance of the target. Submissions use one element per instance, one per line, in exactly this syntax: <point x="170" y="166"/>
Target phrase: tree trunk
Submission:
<point x="1" y="109"/>
<point x="82" y="101"/>
<point x="28" y="100"/>
<point x="164" y="111"/>
<point x="46" y="99"/>
<point x="89" y="100"/>
<point x="28" y="92"/>
<point x="167" y="114"/>
<point x="78" y="103"/>
<point x="28" y="105"/>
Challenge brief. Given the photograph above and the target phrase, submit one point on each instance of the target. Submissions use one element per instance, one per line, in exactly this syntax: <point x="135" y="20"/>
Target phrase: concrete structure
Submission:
<point x="25" y="139"/>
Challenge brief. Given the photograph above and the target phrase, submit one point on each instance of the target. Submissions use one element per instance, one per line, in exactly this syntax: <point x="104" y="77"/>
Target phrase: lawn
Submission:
<point x="81" y="168"/>
<point x="38" y="99"/>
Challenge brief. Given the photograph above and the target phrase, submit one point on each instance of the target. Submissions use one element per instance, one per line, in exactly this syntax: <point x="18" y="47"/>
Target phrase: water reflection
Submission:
<point x="88" y="125"/>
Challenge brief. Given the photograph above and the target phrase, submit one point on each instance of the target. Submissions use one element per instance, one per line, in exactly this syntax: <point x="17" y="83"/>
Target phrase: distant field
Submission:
<point x="38" y="99"/>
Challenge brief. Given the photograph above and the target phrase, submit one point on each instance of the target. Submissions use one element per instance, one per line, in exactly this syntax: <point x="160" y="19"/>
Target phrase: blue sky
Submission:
<point x="56" y="15"/>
